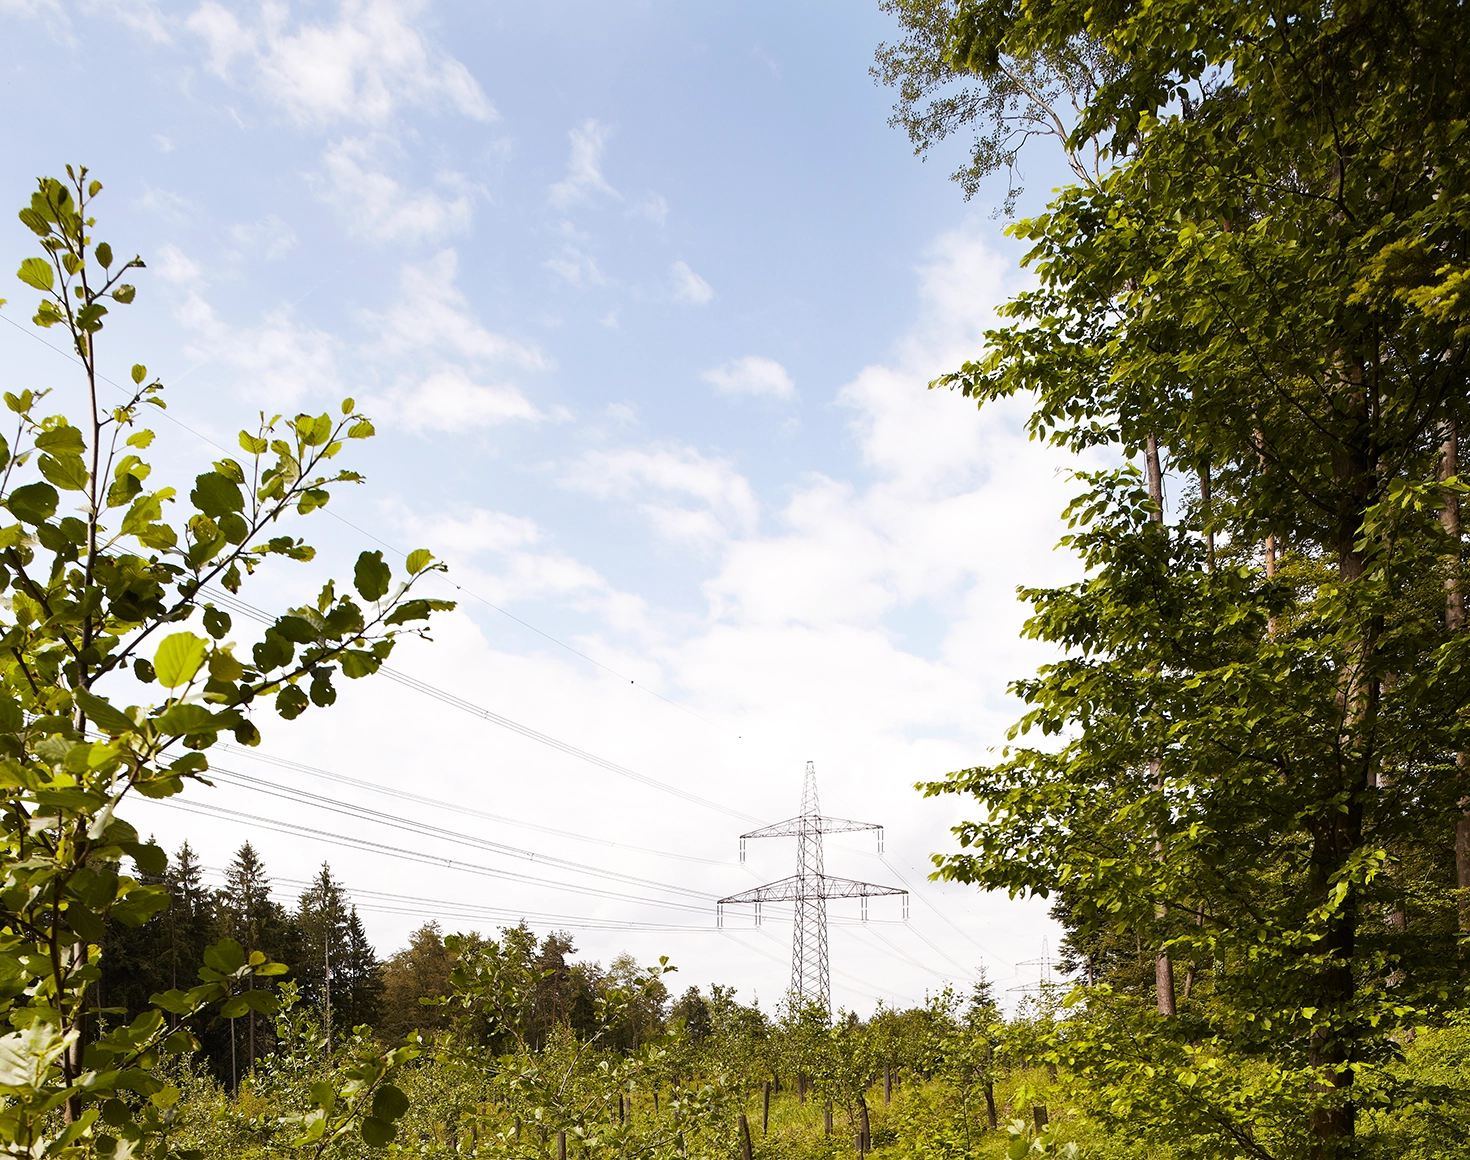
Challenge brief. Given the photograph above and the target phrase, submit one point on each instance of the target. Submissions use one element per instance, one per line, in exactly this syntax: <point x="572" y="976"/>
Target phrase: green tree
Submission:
<point x="245" y="912"/>
<point x="420" y="970"/>
<point x="103" y="591"/>
<point x="1253" y="757"/>
<point x="336" y="969"/>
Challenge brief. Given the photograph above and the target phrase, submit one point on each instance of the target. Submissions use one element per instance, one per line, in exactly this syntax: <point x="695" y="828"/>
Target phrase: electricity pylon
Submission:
<point x="809" y="888"/>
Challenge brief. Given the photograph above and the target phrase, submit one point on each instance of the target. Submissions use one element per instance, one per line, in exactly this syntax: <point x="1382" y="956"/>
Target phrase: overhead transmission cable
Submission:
<point x="457" y="702"/>
<point x="456" y="807"/>
<point x="438" y="833"/>
<point x="354" y="843"/>
<point x="208" y="810"/>
<point x="383" y="903"/>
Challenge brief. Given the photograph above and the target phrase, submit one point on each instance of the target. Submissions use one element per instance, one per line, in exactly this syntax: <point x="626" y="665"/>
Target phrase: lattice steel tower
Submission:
<point x="809" y="888"/>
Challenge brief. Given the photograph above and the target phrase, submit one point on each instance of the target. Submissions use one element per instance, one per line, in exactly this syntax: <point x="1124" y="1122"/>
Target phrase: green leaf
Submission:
<point x="226" y="956"/>
<point x="371" y="576"/>
<point x="186" y="719"/>
<point x="178" y="658"/>
<point x="35" y="503"/>
<point x="418" y="560"/>
<point x="63" y="439"/>
<point x="37" y="273"/>
<point x="140" y="372"/>
<point x="378" y="1133"/>
<point x="214" y="494"/>
<point x="357" y="664"/>
<point x="263" y="1002"/>
<point x="107" y="718"/>
<point x="253" y="444"/>
<point x="68" y="472"/>
<point x="11" y="717"/>
<point x="148" y="856"/>
<point x="216" y="623"/>
<point x="104" y="254"/>
<point x="389" y="1103"/>
<point x="291" y="702"/>
<point x="411" y="610"/>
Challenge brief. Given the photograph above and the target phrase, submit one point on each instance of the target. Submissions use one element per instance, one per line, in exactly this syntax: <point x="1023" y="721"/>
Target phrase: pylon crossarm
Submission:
<point x="794" y="889"/>
<point x="851" y="888"/>
<point x="810" y="823"/>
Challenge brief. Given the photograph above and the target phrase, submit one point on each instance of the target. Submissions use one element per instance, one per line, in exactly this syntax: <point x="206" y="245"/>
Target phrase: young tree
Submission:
<point x="104" y="594"/>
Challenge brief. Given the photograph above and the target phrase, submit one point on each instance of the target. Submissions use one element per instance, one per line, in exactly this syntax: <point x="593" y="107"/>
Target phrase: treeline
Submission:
<point x="340" y="979"/>
<point x="321" y="939"/>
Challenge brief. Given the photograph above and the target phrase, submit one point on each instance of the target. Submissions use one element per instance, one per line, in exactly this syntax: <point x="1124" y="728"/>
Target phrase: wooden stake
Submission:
<point x="766" y="1109"/>
<point x="744" y="1137"/>
<point x="826" y="1119"/>
<point x="561" y="1145"/>
<point x="887" y="1085"/>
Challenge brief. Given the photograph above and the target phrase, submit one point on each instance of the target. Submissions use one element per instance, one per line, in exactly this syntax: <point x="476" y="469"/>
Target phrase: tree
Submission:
<point x="246" y="913"/>
<point x="1255" y="728"/>
<point x="103" y="594"/>
<point x="419" y="971"/>
<point x="337" y="968"/>
<point x="693" y="1012"/>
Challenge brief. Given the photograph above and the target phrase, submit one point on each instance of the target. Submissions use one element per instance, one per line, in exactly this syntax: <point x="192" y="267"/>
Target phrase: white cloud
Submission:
<point x="449" y="400"/>
<point x="173" y="265"/>
<point x="659" y="475"/>
<point x="363" y="66"/>
<point x="49" y="11"/>
<point x="276" y="364"/>
<point x="752" y="375"/>
<point x="450" y="370"/>
<point x="377" y="207"/>
<point x="432" y="315"/>
<point x="654" y="207"/>
<point x="584" y="167"/>
<point x="575" y="267"/>
<point x="689" y="286"/>
<point x="269" y="239"/>
<point x="478" y="532"/>
<point x="140" y="16"/>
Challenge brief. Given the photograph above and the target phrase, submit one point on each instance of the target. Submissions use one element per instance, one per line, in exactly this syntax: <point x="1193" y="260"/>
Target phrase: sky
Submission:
<point x="643" y="299"/>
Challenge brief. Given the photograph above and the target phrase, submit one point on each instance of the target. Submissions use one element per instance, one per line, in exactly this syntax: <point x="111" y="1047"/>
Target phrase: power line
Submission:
<point x="407" y="855"/>
<point x="234" y="602"/>
<point x="423" y="829"/>
<point x="388" y="903"/>
<point x="546" y="739"/>
<point x="455" y="807"/>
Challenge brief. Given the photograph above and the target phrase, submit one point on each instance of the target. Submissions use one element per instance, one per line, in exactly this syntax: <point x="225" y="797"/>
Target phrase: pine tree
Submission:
<point x="337" y="969"/>
<point x="362" y="976"/>
<point x="246" y="913"/>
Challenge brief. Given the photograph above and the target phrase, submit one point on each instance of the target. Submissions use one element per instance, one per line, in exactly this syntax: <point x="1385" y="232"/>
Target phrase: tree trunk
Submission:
<point x="1454" y="621"/>
<point x="1338" y="832"/>
<point x="1163" y="968"/>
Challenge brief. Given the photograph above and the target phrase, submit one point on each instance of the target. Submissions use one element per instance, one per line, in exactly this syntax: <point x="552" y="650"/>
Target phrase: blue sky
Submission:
<point x="643" y="298"/>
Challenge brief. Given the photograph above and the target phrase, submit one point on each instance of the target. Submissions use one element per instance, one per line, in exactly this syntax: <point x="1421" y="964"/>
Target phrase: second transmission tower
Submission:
<point x="809" y="888"/>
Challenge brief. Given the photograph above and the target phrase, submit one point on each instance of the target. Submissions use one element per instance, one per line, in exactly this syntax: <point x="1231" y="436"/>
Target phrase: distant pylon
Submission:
<point x="1045" y="977"/>
<point x="810" y="888"/>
